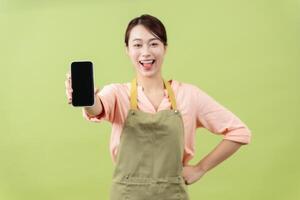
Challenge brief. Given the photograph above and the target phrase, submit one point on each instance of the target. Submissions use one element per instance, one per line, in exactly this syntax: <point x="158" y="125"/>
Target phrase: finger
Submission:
<point x="67" y="83"/>
<point x="69" y="91"/>
<point x="68" y="86"/>
<point x="70" y="81"/>
<point x="69" y="96"/>
<point x="68" y="75"/>
<point x="186" y="182"/>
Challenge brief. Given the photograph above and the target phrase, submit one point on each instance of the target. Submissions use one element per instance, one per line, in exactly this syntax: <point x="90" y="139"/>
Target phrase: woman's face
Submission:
<point x="145" y="51"/>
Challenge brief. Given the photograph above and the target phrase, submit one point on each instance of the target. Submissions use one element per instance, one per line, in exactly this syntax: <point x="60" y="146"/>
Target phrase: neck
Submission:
<point x="151" y="84"/>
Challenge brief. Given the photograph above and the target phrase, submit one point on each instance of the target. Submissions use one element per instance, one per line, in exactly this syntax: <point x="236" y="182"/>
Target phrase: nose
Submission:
<point x="145" y="53"/>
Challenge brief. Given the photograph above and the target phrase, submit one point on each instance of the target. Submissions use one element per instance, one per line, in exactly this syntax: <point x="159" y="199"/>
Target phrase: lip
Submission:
<point x="153" y="61"/>
<point x="147" y="68"/>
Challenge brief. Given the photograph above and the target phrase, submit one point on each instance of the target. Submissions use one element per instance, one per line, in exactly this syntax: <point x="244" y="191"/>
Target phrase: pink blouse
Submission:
<point x="197" y="108"/>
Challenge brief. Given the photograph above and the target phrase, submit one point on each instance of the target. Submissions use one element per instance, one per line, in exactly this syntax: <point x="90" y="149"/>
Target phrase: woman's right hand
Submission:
<point x="69" y="90"/>
<point x="94" y="110"/>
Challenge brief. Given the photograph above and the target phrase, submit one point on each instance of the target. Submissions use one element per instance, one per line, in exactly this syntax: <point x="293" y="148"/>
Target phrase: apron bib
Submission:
<point x="150" y="154"/>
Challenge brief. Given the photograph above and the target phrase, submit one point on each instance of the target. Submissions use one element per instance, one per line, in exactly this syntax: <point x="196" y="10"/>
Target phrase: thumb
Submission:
<point x="96" y="90"/>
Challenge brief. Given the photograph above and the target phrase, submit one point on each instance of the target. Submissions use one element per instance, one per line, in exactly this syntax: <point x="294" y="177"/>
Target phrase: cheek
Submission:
<point x="159" y="58"/>
<point x="134" y="56"/>
<point x="159" y="53"/>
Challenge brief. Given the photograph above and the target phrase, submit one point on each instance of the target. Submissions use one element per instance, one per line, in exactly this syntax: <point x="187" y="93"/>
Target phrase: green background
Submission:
<point x="245" y="54"/>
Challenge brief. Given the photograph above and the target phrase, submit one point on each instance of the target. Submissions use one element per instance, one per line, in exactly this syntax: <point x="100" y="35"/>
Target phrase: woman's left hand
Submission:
<point x="191" y="174"/>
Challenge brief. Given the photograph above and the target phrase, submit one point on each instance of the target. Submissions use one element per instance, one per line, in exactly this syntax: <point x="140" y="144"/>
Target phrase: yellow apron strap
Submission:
<point x="133" y="94"/>
<point x="171" y="95"/>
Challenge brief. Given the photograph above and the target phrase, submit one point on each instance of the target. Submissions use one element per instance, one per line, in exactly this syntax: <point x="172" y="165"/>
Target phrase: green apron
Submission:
<point x="150" y="155"/>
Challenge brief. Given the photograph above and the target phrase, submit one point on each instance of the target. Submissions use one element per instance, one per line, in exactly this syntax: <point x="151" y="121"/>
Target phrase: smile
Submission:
<point x="142" y="62"/>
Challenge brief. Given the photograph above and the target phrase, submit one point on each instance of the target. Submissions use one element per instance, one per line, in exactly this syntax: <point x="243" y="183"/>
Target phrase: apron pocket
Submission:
<point x="156" y="191"/>
<point x="119" y="191"/>
<point x="183" y="191"/>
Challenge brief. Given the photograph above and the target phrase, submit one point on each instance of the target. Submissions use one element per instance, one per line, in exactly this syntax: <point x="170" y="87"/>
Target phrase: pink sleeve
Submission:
<point x="219" y="120"/>
<point x="108" y="99"/>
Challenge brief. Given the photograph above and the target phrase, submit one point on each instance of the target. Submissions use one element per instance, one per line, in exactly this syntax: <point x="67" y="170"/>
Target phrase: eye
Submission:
<point x="137" y="45"/>
<point x="154" y="44"/>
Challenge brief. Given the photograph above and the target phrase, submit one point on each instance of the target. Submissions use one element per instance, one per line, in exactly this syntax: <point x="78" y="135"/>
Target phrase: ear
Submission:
<point x="126" y="50"/>
<point x="166" y="47"/>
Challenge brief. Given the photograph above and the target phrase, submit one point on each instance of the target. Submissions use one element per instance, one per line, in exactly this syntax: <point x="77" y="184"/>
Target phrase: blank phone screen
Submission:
<point x="82" y="83"/>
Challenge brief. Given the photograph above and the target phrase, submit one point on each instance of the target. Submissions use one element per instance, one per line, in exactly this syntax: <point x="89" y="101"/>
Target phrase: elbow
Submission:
<point x="242" y="136"/>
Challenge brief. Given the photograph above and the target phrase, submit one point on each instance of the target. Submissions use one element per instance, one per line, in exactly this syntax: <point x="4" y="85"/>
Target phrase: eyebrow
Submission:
<point x="141" y="39"/>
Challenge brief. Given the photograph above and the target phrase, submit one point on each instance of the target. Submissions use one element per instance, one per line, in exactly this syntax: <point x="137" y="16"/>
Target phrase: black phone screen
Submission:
<point x="82" y="83"/>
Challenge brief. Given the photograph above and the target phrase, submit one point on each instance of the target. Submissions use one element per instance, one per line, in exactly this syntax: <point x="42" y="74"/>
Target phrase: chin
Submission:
<point x="151" y="73"/>
<point x="147" y="74"/>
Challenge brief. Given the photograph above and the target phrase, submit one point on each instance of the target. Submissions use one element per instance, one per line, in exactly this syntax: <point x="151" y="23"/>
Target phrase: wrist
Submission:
<point x="201" y="168"/>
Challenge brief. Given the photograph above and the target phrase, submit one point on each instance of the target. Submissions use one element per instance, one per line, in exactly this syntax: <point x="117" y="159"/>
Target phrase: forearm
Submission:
<point x="221" y="152"/>
<point x="96" y="109"/>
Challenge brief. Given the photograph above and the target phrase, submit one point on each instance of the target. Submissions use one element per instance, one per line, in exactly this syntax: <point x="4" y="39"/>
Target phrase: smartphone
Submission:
<point x="82" y="83"/>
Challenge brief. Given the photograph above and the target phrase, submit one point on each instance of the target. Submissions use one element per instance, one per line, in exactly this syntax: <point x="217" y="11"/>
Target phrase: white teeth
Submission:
<point x="146" y="61"/>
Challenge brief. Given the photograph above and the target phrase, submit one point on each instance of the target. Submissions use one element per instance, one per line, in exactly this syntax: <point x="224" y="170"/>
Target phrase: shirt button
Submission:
<point x="132" y="112"/>
<point x="176" y="111"/>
